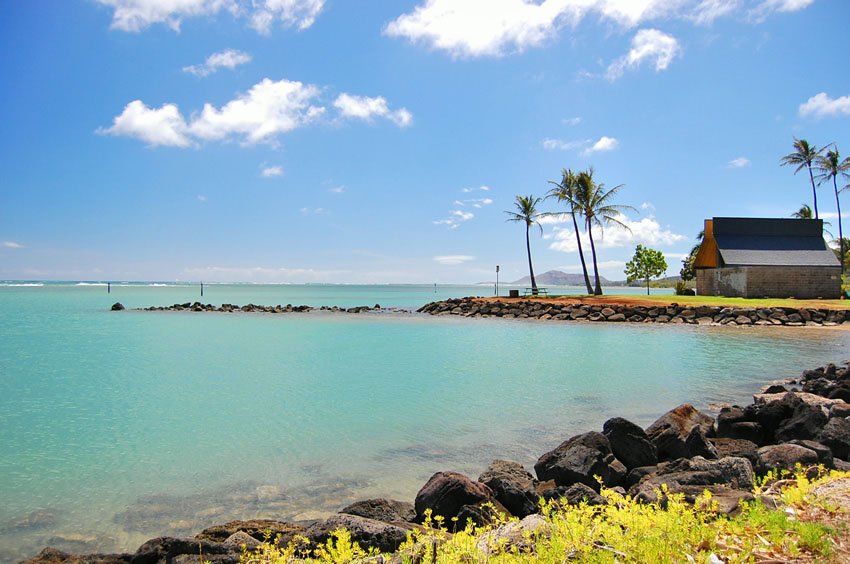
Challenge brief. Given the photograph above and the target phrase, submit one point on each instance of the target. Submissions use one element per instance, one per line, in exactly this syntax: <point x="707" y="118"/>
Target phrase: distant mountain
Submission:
<point x="558" y="278"/>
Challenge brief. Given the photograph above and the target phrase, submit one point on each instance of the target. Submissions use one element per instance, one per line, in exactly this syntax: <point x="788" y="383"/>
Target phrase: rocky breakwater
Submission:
<point x="252" y="308"/>
<point x="673" y="313"/>
<point x="685" y="451"/>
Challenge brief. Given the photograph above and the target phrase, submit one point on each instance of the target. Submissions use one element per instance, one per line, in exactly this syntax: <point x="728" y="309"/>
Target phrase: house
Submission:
<point x="764" y="257"/>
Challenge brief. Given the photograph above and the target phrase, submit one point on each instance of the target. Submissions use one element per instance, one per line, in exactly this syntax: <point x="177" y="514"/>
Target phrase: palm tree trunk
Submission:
<point x="581" y="254"/>
<point x="814" y="191"/>
<point x="647" y="286"/>
<point x="840" y="231"/>
<point x="530" y="269"/>
<point x="597" y="291"/>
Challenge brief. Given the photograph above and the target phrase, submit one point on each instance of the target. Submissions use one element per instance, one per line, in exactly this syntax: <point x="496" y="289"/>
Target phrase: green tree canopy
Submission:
<point x="647" y="263"/>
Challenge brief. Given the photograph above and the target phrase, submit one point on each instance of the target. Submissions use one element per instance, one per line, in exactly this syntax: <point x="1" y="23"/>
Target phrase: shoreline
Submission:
<point x="782" y="426"/>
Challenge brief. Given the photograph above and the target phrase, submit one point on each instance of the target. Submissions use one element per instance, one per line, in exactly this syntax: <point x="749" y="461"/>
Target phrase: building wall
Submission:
<point x="801" y="282"/>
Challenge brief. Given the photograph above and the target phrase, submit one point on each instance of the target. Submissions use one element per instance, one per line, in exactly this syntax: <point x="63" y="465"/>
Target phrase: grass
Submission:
<point x="622" y="531"/>
<point x="667" y="299"/>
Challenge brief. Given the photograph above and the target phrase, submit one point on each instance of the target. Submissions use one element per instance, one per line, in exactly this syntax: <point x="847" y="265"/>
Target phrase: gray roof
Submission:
<point x="772" y="242"/>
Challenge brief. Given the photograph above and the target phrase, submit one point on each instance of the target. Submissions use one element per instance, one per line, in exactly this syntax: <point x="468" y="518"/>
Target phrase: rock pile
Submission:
<point x="673" y="313"/>
<point x="686" y="450"/>
<point x="251" y="308"/>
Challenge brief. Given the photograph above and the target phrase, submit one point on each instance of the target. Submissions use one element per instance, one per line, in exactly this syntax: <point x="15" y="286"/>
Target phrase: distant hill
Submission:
<point x="558" y="278"/>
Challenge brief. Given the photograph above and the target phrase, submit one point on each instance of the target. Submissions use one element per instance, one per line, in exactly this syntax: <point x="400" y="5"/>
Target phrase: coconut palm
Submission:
<point x="527" y="213"/>
<point x="565" y="191"/>
<point x="804" y="155"/>
<point x="598" y="210"/>
<point x="830" y="165"/>
<point x="805" y="212"/>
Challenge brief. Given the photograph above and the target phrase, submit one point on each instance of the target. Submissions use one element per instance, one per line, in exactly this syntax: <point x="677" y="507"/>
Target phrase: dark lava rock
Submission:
<point x="672" y="432"/>
<point x="736" y="447"/>
<point x="117" y="306"/>
<point x="240" y="539"/>
<point x="580" y="493"/>
<point x="386" y="510"/>
<point x="698" y="445"/>
<point x="163" y="550"/>
<point x="479" y="515"/>
<point x="446" y="492"/>
<point x="53" y="556"/>
<point x="580" y="459"/>
<point x="368" y="533"/>
<point x="785" y="457"/>
<point x="772" y="414"/>
<point x="824" y="453"/>
<point x="836" y="435"/>
<point x="775" y="389"/>
<point x="513" y="486"/>
<point x="260" y="529"/>
<point x="629" y="443"/>
<point x="727" y="417"/>
<point x="805" y="423"/>
<point x="635" y="475"/>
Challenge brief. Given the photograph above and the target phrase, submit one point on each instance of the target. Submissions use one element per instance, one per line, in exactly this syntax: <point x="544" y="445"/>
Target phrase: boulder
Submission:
<point x="576" y="495"/>
<point x="514" y="537"/>
<point x="118" y="306"/>
<point x="824" y="453"/>
<point x="478" y="515"/>
<point x="446" y="492"/>
<point x="581" y="459"/>
<point x="785" y="457"/>
<point x="386" y="510"/>
<point x="629" y="443"/>
<point x="635" y="475"/>
<point x="512" y="485"/>
<point x="836" y="435"/>
<point x="368" y="533"/>
<point x="53" y="556"/>
<point x="805" y="423"/>
<point x="736" y="447"/>
<point x="672" y="432"/>
<point x="240" y="539"/>
<point x="163" y="550"/>
<point x="260" y="529"/>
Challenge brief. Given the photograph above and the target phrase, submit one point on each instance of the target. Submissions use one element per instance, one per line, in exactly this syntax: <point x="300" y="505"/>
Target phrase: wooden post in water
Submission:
<point x="108" y="288"/>
<point x="202" y="289"/>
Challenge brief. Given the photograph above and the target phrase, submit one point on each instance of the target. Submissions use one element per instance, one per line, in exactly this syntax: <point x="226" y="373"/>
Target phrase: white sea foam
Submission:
<point x="90" y="284"/>
<point x="22" y="285"/>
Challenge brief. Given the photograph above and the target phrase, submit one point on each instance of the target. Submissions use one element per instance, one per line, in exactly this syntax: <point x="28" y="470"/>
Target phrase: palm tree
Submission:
<point x="565" y="191"/>
<point x="527" y="213"/>
<point x="804" y="155"/>
<point x="598" y="211"/>
<point x="831" y="166"/>
<point x="805" y="212"/>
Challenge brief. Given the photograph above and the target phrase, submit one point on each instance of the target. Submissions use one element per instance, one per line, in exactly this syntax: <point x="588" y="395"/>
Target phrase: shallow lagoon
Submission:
<point x="117" y="427"/>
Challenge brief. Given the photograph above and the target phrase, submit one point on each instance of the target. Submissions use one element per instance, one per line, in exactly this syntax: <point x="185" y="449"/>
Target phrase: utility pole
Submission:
<point x="497" y="280"/>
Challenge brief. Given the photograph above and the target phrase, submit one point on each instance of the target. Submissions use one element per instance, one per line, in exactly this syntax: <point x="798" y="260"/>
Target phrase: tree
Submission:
<point x="689" y="271"/>
<point x="594" y="200"/>
<point x="831" y="166"/>
<point x="805" y="212"/>
<point x="804" y="155"/>
<point x="647" y="263"/>
<point x="565" y="191"/>
<point x="527" y="213"/>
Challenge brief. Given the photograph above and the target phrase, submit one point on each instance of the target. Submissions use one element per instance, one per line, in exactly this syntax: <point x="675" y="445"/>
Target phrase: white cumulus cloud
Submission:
<point x="366" y="108"/>
<point x="603" y="145"/>
<point x="822" y="105"/>
<point x="481" y="188"/>
<point x="452" y="260"/>
<point x="137" y="15"/>
<point x="646" y="231"/>
<point x="227" y="59"/>
<point x="764" y="9"/>
<point x="648" y="46"/>
<point x="561" y="145"/>
<point x="162" y="126"/>
<point x="271" y="171"/>
<point x="740" y="162"/>
<point x="12" y="245"/>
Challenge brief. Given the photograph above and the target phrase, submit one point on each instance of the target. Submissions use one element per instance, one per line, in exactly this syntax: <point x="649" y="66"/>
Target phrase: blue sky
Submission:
<point x="338" y="141"/>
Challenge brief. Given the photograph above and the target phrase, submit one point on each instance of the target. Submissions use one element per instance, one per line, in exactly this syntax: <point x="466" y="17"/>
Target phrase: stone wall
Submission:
<point x="802" y="282"/>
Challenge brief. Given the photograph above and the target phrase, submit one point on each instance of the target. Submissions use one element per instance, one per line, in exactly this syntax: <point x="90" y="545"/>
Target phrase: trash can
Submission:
<point x="513" y="293"/>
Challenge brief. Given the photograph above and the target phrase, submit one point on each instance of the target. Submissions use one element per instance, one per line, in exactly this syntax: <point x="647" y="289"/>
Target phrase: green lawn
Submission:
<point x="714" y="301"/>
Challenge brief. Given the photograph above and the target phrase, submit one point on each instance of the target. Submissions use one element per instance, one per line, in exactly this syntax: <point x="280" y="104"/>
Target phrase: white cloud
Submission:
<point x="269" y="108"/>
<point x="163" y="126"/>
<point x="481" y="188"/>
<point x="271" y="171"/>
<point x="553" y="144"/>
<point x="760" y="12"/>
<point x="604" y="144"/>
<point x="646" y="231"/>
<point x="365" y="108"/>
<point x="740" y="162"/>
<point x="11" y="245"/>
<point x="314" y="211"/>
<point x="462" y="215"/>
<point x="452" y="260"/>
<point x="709" y="10"/>
<point x="337" y="189"/>
<point x="821" y="105"/>
<point x="571" y="121"/>
<point x="554" y="219"/>
<point x="647" y="206"/>
<point x="227" y="59"/>
<point x="202" y="199"/>
<point x="136" y="15"/>
<point x="648" y="45"/>
<point x="481" y="202"/>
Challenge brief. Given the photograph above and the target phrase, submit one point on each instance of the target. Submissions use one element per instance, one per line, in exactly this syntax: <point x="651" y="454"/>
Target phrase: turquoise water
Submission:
<point x="119" y="426"/>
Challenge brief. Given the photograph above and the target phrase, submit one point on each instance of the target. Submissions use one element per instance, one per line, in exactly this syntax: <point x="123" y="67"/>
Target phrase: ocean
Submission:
<point x="120" y="426"/>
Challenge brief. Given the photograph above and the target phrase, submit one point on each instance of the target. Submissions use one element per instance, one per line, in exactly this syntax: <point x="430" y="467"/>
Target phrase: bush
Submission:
<point x="682" y="289"/>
